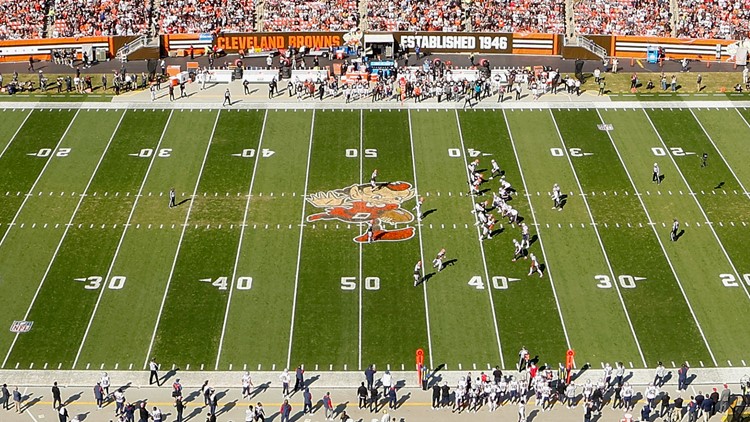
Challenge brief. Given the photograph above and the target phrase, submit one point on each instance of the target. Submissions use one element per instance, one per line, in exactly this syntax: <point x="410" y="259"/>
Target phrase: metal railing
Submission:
<point x="132" y="46"/>
<point x="583" y="42"/>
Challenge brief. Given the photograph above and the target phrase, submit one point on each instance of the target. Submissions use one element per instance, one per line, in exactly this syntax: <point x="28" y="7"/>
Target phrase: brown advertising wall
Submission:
<point x="441" y="42"/>
<point x="232" y="43"/>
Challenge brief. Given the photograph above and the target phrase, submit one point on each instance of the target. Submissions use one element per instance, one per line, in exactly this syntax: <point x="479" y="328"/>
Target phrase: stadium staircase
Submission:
<point x="142" y="47"/>
<point x="260" y="8"/>
<point x="583" y="42"/>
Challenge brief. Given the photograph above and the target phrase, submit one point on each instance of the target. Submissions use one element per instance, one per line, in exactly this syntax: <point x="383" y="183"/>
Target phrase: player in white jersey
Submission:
<point x="473" y="166"/>
<point x="480" y="213"/>
<point x="675" y="230"/>
<point x="512" y="215"/>
<point x="496" y="200"/>
<point x="438" y="261"/>
<point x="417" y="273"/>
<point x="495" y="169"/>
<point x="525" y="236"/>
<point x="535" y="266"/>
<point x="373" y="178"/>
<point x="418" y="208"/>
<point x="519" y="252"/>
<point x="656" y="177"/>
<point x="556" y="198"/>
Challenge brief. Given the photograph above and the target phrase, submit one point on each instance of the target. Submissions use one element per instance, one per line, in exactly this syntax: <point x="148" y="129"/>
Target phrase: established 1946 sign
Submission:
<point x="444" y="43"/>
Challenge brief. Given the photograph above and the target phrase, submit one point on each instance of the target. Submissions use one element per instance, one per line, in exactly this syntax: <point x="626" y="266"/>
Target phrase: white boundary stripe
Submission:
<point x="62" y="238"/>
<point x="658" y="238"/>
<point x="421" y="247"/>
<point x="719" y="151"/>
<point x="242" y="234"/>
<point x="179" y="244"/>
<point x="38" y="177"/>
<point x="601" y="243"/>
<point x="361" y="169"/>
<point x="539" y="232"/>
<point x="722" y="157"/>
<point x="103" y="287"/>
<point x="16" y="133"/>
<point x="299" y="248"/>
<point x="481" y="246"/>
<point x="700" y="207"/>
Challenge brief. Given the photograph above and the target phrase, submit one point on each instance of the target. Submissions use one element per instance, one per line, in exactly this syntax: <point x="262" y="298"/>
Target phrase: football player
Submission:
<point x="438" y="261"/>
<point x="535" y="266"/>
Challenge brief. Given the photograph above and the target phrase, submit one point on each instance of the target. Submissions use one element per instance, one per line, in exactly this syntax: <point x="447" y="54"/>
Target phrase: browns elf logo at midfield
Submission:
<point x="363" y="204"/>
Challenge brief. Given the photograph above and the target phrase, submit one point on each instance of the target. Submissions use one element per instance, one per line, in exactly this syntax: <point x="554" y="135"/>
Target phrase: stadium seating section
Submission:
<point x="71" y="18"/>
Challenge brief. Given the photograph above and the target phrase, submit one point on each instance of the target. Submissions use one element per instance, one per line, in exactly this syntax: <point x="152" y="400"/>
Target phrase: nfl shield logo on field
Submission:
<point x="21" y="326"/>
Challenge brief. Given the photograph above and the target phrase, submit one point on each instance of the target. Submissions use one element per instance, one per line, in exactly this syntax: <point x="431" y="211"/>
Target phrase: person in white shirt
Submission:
<point x="417" y="273"/>
<point x="386" y="380"/>
<point x="661" y="372"/>
<point x="105" y="383"/>
<point x="285" y="379"/>
<point x="156" y="414"/>
<point x="247" y="383"/>
<point x="373" y="178"/>
<point x="556" y="197"/>
<point x="656" y="176"/>
<point x="650" y="394"/>
<point x="495" y="169"/>
<point x="570" y="395"/>
<point x="535" y="267"/>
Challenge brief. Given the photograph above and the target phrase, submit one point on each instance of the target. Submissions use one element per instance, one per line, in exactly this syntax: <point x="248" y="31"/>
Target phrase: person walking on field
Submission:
<point x="227" y="98"/>
<point x="172" y="198"/>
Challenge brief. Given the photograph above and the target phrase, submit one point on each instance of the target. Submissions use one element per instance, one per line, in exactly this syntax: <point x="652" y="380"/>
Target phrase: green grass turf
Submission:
<point x="657" y="297"/>
<point x="382" y="318"/>
<point x="209" y="252"/>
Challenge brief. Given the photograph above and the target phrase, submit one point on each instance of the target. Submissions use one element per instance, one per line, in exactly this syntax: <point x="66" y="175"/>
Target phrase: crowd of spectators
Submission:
<point x="310" y="15"/>
<point x="727" y="19"/>
<point x="517" y="16"/>
<point x="21" y="19"/>
<point x="202" y="16"/>
<point x="99" y="17"/>
<point x="624" y="17"/>
<point x="713" y="19"/>
<point x="412" y="15"/>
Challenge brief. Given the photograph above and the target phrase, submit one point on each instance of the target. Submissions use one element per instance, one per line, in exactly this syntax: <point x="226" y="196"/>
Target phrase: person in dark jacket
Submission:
<point x="362" y="396"/>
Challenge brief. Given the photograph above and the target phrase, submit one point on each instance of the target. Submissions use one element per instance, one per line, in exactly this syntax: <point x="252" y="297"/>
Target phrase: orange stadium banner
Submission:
<point x="674" y="48"/>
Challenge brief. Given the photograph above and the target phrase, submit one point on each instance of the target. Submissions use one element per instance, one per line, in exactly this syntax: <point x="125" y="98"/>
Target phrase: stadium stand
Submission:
<point x="100" y="17"/>
<point x="309" y="15"/>
<point x="623" y="17"/>
<point x="517" y="16"/>
<point x="409" y="15"/>
<point x="196" y="16"/>
<point x="21" y="19"/>
<point x="71" y="18"/>
<point x="713" y="18"/>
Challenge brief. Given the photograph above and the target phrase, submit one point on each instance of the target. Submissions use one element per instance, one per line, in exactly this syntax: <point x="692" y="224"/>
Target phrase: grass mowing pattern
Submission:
<point x="328" y="330"/>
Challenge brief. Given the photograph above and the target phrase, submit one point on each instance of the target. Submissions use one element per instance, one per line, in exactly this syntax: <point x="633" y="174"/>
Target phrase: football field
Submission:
<point x="265" y="260"/>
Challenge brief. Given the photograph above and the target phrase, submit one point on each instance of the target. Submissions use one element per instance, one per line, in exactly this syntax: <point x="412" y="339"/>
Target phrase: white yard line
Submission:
<point x="38" y="177"/>
<point x="658" y="238"/>
<point x="242" y="235"/>
<point x="481" y="246"/>
<point x="16" y="133"/>
<point x="700" y="207"/>
<point x="65" y="232"/>
<point x="361" y="169"/>
<point x="421" y="247"/>
<point x="179" y="244"/>
<point x="103" y="287"/>
<point x="719" y="151"/>
<point x="299" y="247"/>
<point x="539" y="233"/>
<point x="601" y="243"/>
